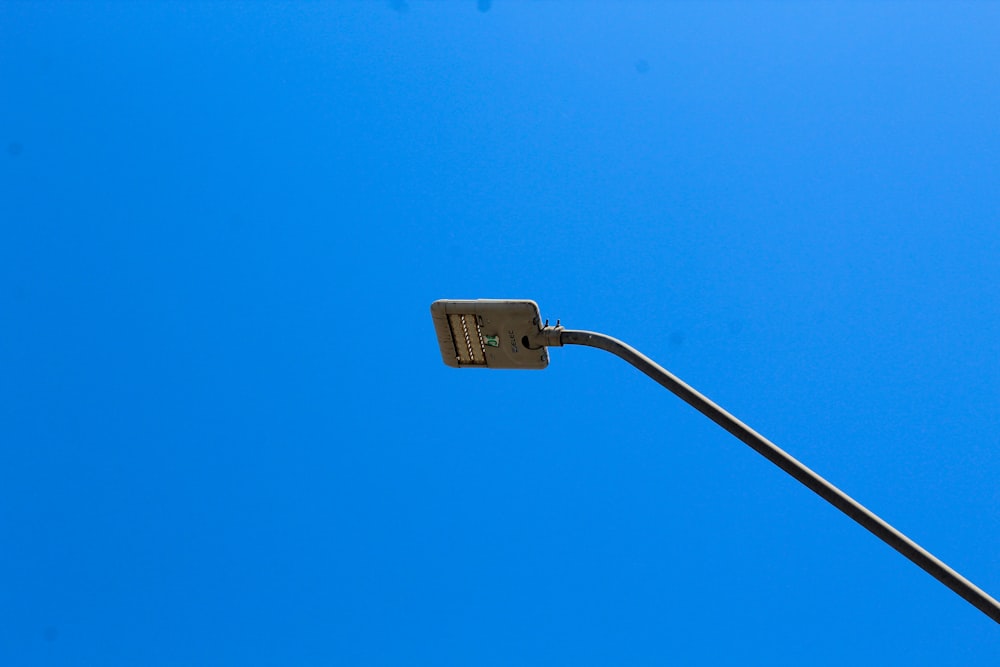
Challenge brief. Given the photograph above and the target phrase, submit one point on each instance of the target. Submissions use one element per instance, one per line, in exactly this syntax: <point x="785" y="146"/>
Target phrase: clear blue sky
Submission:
<point x="227" y="437"/>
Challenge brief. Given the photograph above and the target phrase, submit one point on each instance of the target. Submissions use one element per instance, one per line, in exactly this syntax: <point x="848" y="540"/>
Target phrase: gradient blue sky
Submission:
<point x="227" y="437"/>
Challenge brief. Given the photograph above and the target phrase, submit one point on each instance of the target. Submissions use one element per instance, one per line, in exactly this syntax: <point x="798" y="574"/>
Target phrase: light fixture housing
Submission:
<point x="490" y="333"/>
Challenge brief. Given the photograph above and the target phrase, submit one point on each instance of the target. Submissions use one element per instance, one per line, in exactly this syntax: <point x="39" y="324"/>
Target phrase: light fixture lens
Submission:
<point x="468" y="339"/>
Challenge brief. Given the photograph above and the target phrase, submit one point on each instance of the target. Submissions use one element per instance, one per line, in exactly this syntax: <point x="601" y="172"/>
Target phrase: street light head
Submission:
<point x="490" y="333"/>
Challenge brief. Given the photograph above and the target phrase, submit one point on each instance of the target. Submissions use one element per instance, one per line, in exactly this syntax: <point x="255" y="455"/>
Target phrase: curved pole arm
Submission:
<point x="904" y="545"/>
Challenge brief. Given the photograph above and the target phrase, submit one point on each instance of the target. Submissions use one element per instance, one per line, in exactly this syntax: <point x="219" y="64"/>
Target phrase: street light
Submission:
<point x="496" y="333"/>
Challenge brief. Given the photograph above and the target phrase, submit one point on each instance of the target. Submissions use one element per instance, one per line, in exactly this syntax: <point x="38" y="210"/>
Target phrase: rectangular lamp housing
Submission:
<point x="489" y="333"/>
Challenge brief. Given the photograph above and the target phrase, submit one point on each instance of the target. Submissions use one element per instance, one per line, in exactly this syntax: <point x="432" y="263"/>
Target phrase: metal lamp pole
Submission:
<point x="824" y="489"/>
<point x="509" y="334"/>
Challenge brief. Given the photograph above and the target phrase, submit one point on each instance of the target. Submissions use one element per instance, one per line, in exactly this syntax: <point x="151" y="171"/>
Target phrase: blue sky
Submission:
<point x="227" y="437"/>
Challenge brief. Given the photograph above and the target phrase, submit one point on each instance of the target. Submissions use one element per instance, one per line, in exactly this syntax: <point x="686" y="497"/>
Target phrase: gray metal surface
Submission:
<point x="904" y="545"/>
<point x="489" y="333"/>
